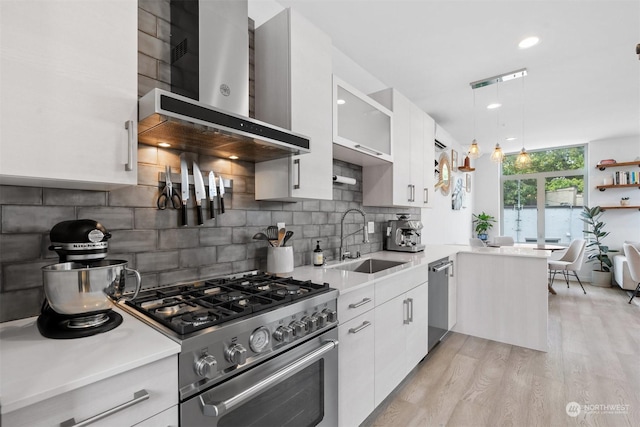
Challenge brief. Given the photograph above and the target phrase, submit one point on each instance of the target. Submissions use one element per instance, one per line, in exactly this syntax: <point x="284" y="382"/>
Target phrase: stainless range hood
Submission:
<point x="190" y="125"/>
<point x="210" y="60"/>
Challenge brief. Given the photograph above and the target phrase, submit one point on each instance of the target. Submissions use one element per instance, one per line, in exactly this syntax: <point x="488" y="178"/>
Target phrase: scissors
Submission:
<point x="167" y="192"/>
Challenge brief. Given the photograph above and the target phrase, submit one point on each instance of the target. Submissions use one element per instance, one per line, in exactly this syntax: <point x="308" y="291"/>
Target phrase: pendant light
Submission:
<point x="523" y="160"/>
<point x="474" y="150"/>
<point x="498" y="155"/>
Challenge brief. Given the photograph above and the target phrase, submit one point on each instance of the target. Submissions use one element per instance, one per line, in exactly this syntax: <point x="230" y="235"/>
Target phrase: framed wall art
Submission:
<point x="468" y="182"/>
<point x="454" y="160"/>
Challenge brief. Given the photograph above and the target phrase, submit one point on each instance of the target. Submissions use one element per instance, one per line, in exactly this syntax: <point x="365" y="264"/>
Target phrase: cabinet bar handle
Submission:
<point x="364" y="325"/>
<point x="370" y="150"/>
<point x="130" y="126"/>
<point x="361" y="303"/>
<point x="410" y="192"/>
<point x="138" y="396"/>
<point x="405" y="314"/>
<point x="410" y="310"/>
<point x="297" y="163"/>
<point x="426" y="195"/>
<point x="413" y="193"/>
<point x="451" y="270"/>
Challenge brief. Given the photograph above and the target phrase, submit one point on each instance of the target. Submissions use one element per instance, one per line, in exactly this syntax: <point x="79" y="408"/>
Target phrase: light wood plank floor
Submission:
<point x="593" y="359"/>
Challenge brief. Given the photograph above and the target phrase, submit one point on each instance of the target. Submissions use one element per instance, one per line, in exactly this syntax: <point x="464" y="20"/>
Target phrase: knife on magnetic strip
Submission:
<point x="212" y="194"/>
<point x="184" y="187"/>
<point x="200" y="191"/>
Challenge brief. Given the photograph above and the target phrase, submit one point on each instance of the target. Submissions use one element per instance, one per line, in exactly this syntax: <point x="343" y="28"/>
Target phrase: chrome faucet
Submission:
<point x="365" y="236"/>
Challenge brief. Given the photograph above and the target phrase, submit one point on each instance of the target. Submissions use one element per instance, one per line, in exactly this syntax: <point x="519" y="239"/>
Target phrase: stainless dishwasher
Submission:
<point x="438" y="300"/>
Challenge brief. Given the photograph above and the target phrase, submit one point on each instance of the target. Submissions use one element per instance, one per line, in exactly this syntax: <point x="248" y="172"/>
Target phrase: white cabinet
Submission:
<point x="356" y="369"/>
<point x="408" y="180"/>
<point x="69" y="84"/>
<point x="400" y="337"/>
<point x="362" y="127"/>
<point x="294" y="91"/>
<point x="158" y="381"/>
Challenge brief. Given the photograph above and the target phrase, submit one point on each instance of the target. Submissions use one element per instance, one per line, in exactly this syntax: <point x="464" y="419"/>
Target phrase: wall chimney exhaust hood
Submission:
<point x="190" y="125"/>
<point x="207" y="109"/>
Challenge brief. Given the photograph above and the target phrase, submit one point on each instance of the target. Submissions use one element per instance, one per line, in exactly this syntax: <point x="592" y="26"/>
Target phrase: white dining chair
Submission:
<point x="633" y="261"/>
<point x="503" y="240"/>
<point x="571" y="261"/>
<point x="475" y="242"/>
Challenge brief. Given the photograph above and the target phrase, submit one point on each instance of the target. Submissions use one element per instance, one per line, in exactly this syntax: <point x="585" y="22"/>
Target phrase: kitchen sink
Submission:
<point x="369" y="266"/>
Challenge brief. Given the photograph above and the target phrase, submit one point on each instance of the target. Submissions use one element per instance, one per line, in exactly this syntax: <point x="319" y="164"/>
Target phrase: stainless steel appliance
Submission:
<point x="403" y="234"/>
<point x="207" y="110"/>
<point x="438" y="311"/>
<point x="81" y="288"/>
<point x="257" y="349"/>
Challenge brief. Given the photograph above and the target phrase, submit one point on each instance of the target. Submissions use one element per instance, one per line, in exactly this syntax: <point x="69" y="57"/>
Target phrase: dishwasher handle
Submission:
<point x="438" y="268"/>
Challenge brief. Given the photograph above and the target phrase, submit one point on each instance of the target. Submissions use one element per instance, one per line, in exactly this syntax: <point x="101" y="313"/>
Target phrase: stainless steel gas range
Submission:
<point x="257" y="349"/>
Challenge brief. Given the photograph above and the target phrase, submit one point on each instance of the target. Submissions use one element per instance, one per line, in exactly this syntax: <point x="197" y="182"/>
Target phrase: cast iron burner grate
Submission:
<point x="186" y="308"/>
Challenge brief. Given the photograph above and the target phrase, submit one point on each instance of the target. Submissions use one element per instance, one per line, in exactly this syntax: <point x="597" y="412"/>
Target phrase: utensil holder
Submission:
<point x="280" y="259"/>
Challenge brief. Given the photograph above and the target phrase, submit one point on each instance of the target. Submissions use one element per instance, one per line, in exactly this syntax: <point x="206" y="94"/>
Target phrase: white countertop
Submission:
<point x="346" y="281"/>
<point x="507" y="250"/>
<point x="34" y="368"/>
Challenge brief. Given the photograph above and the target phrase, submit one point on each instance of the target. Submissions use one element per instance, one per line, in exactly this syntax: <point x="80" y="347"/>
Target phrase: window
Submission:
<point x="543" y="202"/>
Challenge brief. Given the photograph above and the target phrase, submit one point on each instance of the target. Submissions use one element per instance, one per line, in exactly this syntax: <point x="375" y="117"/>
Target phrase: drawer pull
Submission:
<point x="364" y="325"/>
<point x="361" y="303"/>
<point x="138" y="396"/>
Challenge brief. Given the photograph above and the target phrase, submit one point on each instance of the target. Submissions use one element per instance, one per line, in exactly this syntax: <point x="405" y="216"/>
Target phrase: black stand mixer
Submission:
<point x="81" y="287"/>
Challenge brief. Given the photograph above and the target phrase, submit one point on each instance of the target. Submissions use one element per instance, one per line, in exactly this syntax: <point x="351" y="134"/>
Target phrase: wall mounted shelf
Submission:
<point x="604" y="187"/>
<point x="606" y="208"/>
<point x="617" y="165"/>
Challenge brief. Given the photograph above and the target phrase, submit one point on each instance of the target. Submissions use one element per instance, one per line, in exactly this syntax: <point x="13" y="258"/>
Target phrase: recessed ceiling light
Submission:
<point x="528" y="42"/>
<point x="234" y="157"/>
<point x="164" y="144"/>
<point x="341" y="101"/>
<point x="493" y="106"/>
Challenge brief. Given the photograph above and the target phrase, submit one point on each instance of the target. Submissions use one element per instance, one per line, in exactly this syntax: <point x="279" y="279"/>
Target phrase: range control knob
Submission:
<point x="236" y="354"/>
<point x="311" y="322"/>
<point x="206" y="366"/>
<point x="332" y="316"/>
<point x="322" y="319"/>
<point x="299" y="328"/>
<point x="283" y="334"/>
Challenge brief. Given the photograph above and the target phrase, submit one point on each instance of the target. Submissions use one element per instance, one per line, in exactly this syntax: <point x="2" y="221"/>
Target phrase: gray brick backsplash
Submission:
<point x="241" y="201"/>
<point x="301" y="218"/>
<point x="311" y="231"/>
<point x="21" y="304"/>
<point x="176" y="276"/>
<point x="138" y="196"/>
<point x="198" y="257"/>
<point x="34" y="219"/>
<point x="148" y="175"/>
<point x="20" y="247"/>
<point x="243" y="168"/>
<point x="232" y="253"/>
<point x="244" y="234"/>
<point x="23" y="275"/>
<point x="281" y="216"/>
<point x="258" y="218"/>
<point x="319" y="218"/>
<point x="111" y="218"/>
<point x="159" y="8"/>
<point x="217" y="269"/>
<point x="164" y="30"/>
<point x="178" y="238"/>
<point x="311" y="205"/>
<point x="215" y="236"/>
<point x="12" y="195"/>
<point x="147" y="24"/>
<point x="147" y="155"/>
<point x="133" y="241"/>
<point x="153" y="218"/>
<point x="164" y="72"/>
<point x="327" y="205"/>
<point x="147" y="66"/>
<point x="157" y="261"/>
<point x="153" y="47"/>
<point x="232" y="219"/>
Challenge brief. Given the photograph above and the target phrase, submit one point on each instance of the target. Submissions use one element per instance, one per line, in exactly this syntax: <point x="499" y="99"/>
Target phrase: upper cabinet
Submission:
<point x="293" y="68"/>
<point x="69" y="93"/>
<point x="362" y="127"/>
<point x="408" y="181"/>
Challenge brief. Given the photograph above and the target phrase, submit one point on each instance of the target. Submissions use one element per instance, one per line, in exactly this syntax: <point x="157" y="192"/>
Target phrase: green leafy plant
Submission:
<point x="484" y="222"/>
<point x="598" y="251"/>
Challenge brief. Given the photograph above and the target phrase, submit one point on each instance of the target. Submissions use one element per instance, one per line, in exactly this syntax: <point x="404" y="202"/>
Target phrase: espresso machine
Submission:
<point x="403" y="234"/>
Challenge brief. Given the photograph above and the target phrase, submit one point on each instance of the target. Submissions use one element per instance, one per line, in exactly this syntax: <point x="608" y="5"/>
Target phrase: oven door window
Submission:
<point x="297" y="388"/>
<point x="295" y="402"/>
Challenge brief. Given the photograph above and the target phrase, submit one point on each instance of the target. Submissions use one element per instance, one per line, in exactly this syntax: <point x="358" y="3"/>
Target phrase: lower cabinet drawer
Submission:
<point x="355" y="303"/>
<point x="158" y="379"/>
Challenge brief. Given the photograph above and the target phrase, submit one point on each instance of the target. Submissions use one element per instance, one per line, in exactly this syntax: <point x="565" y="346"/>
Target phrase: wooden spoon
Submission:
<point x="281" y="233"/>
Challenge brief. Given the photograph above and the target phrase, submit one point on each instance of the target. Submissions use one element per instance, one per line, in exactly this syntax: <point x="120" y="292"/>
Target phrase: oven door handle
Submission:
<point x="217" y="409"/>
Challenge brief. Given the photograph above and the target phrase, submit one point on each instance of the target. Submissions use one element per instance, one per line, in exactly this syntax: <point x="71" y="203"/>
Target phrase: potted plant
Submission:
<point x="598" y="251"/>
<point x="484" y="222"/>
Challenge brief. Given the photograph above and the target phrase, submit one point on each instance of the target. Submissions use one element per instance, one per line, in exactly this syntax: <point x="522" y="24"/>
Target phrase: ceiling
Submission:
<point x="583" y="80"/>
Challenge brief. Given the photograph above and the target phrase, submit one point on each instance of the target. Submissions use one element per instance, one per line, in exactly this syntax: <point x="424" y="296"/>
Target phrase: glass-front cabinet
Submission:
<point x="361" y="126"/>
